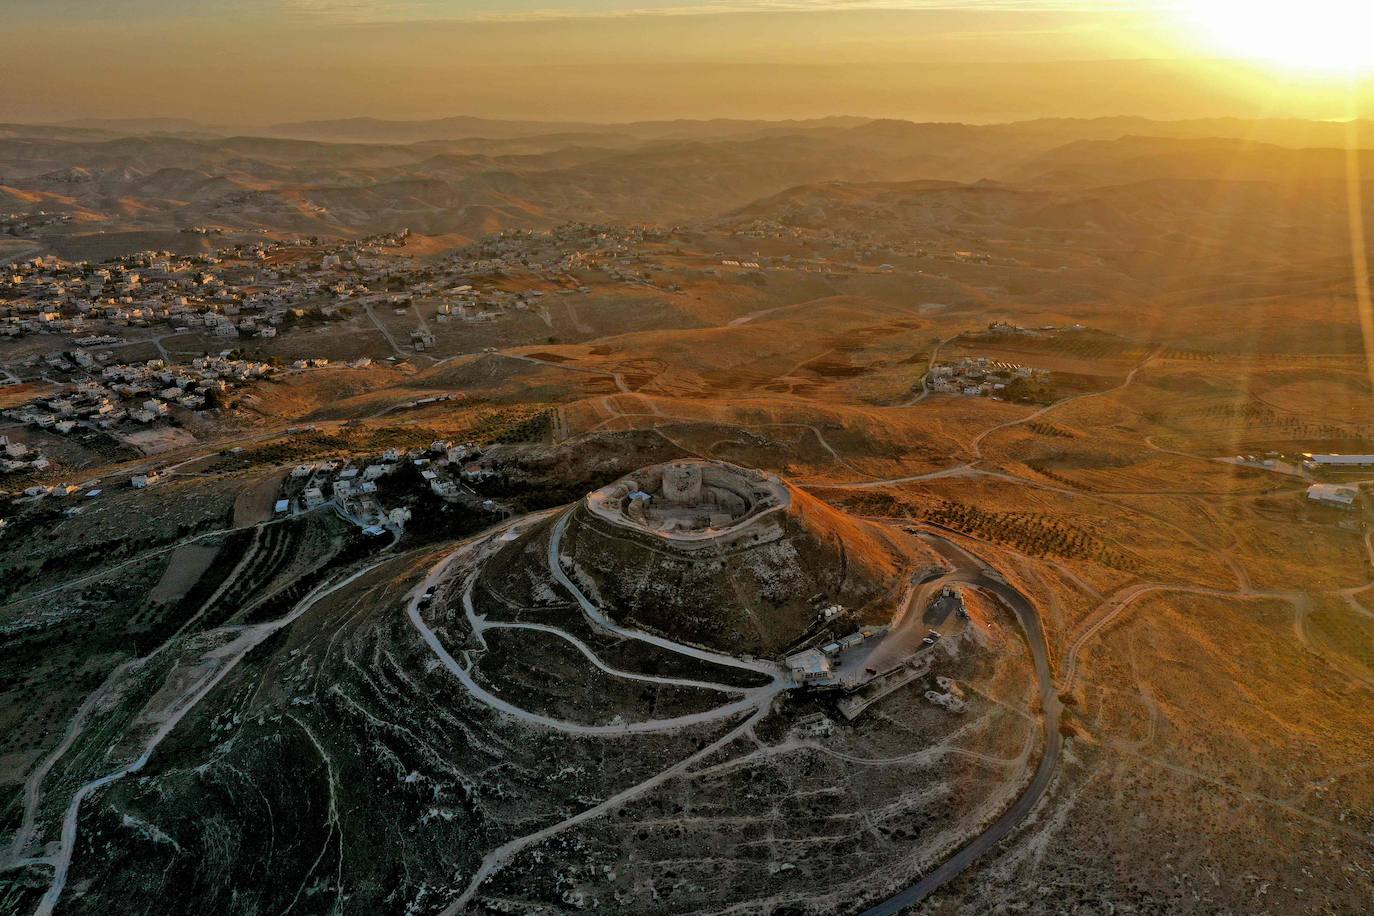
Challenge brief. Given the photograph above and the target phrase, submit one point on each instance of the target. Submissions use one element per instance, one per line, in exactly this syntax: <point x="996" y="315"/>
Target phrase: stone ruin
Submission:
<point x="689" y="497"/>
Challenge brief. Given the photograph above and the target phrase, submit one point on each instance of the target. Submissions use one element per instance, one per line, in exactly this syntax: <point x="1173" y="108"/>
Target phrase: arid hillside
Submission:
<point x="348" y="570"/>
<point x="465" y="178"/>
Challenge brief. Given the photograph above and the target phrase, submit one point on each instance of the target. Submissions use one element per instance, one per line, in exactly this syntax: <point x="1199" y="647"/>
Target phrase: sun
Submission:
<point x="1310" y="36"/>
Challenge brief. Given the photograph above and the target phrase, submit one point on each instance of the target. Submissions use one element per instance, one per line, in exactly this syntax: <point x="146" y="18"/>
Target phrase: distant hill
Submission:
<point x="142" y="125"/>
<point x="1133" y="158"/>
<point x="1119" y="175"/>
<point x="375" y="130"/>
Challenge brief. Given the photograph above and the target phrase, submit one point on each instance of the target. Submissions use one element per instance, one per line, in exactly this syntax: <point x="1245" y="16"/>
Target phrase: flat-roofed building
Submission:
<point x="1329" y="494"/>
<point x="1337" y="461"/>
<point x="809" y="667"/>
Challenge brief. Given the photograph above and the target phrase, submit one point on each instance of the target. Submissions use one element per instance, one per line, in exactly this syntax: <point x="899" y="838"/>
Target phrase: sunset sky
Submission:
<point x="261" y="61"/>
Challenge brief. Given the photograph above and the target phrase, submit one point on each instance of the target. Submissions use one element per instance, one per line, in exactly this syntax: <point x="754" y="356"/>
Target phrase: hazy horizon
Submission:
<point x="265" y="63"/>
<point x="519" y="456"/>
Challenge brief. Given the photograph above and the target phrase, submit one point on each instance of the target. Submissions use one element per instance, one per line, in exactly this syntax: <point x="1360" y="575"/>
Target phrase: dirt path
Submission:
<point x="143" y="557"/>
<point x="750" y="698"/>
<point x="753" y="316"/>
<point x="757" y="700"/>
<point x="924" y="393"/>
<point x="132" y="561"/>
<point x="615" y="376"/>
<point x="377" y="322"/>
<point x="481" y="625"/>
<point x="478" y="692"/>
<point x="34" y="784"/>
<point x="959" y="470"/>
<point x="1118" y="603"/>
<point x="578" y="324"/>
<point x="656" y="413"/>
<point x="217" y="664"/>
<point x="503" y="853"/>
<point x="599" y="619"/>
<point x="1126" y="383"/>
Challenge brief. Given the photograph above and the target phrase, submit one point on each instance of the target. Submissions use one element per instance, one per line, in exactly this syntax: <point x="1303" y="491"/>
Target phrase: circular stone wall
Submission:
<point x="690" y="499"/>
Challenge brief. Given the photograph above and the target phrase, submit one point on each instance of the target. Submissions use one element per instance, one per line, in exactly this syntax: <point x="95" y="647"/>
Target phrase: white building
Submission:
<point x="1331" y="495"/>
<point x="1337" y="461"/>
<point x="809" y="667"/>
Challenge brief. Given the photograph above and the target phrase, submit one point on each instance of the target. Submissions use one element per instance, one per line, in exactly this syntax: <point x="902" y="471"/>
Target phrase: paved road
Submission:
<point x="1049" y="761"/>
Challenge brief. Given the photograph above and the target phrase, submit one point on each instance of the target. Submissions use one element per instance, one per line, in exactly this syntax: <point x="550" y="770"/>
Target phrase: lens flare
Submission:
<point x="1313" y="36"/>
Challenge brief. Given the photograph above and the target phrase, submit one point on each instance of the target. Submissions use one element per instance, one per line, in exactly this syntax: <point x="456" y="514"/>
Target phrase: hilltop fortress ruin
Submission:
<point x="727" y="557"/>
<point x="690" y="500"/>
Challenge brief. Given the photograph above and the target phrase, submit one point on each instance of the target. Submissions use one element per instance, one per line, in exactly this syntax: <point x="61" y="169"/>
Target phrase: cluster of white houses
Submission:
<point x="226" y="295"/>
<point x="242" y="291"/>
<point x="465" y="303"/>
<point x="16" y="457"/>
<point x="979" y="376"/>
<point x="137" y="393"/>
<point x="259" y="289"/>
<point x="555" y="255"/>
<point x="352" y="487"/>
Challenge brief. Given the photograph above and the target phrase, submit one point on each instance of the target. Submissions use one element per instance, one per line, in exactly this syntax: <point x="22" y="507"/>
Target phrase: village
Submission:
<point x="100" y="402"/>
<point x="261" y="289"/>
<point x="228" y="294"/>
<point x="355" y="489"/>
<point x="445" y="470"/>
<point x="979" y="376"/>
<point x="245" y="291"/>
<point x="124" y="396"/>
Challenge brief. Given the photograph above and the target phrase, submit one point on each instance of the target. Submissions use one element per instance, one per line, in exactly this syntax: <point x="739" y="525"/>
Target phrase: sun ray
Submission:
<point x="1314" y="37"/>
<point x="1359" y="256"/>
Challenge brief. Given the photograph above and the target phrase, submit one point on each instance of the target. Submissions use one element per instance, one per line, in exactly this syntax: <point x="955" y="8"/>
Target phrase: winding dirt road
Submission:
<point x="755" y="700"/>
<point x="226" y="658"/>
<point x="980" y="577"/>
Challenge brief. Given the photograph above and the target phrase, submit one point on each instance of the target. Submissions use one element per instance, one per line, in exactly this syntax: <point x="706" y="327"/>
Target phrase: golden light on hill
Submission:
<point x="1315" y="37"/>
